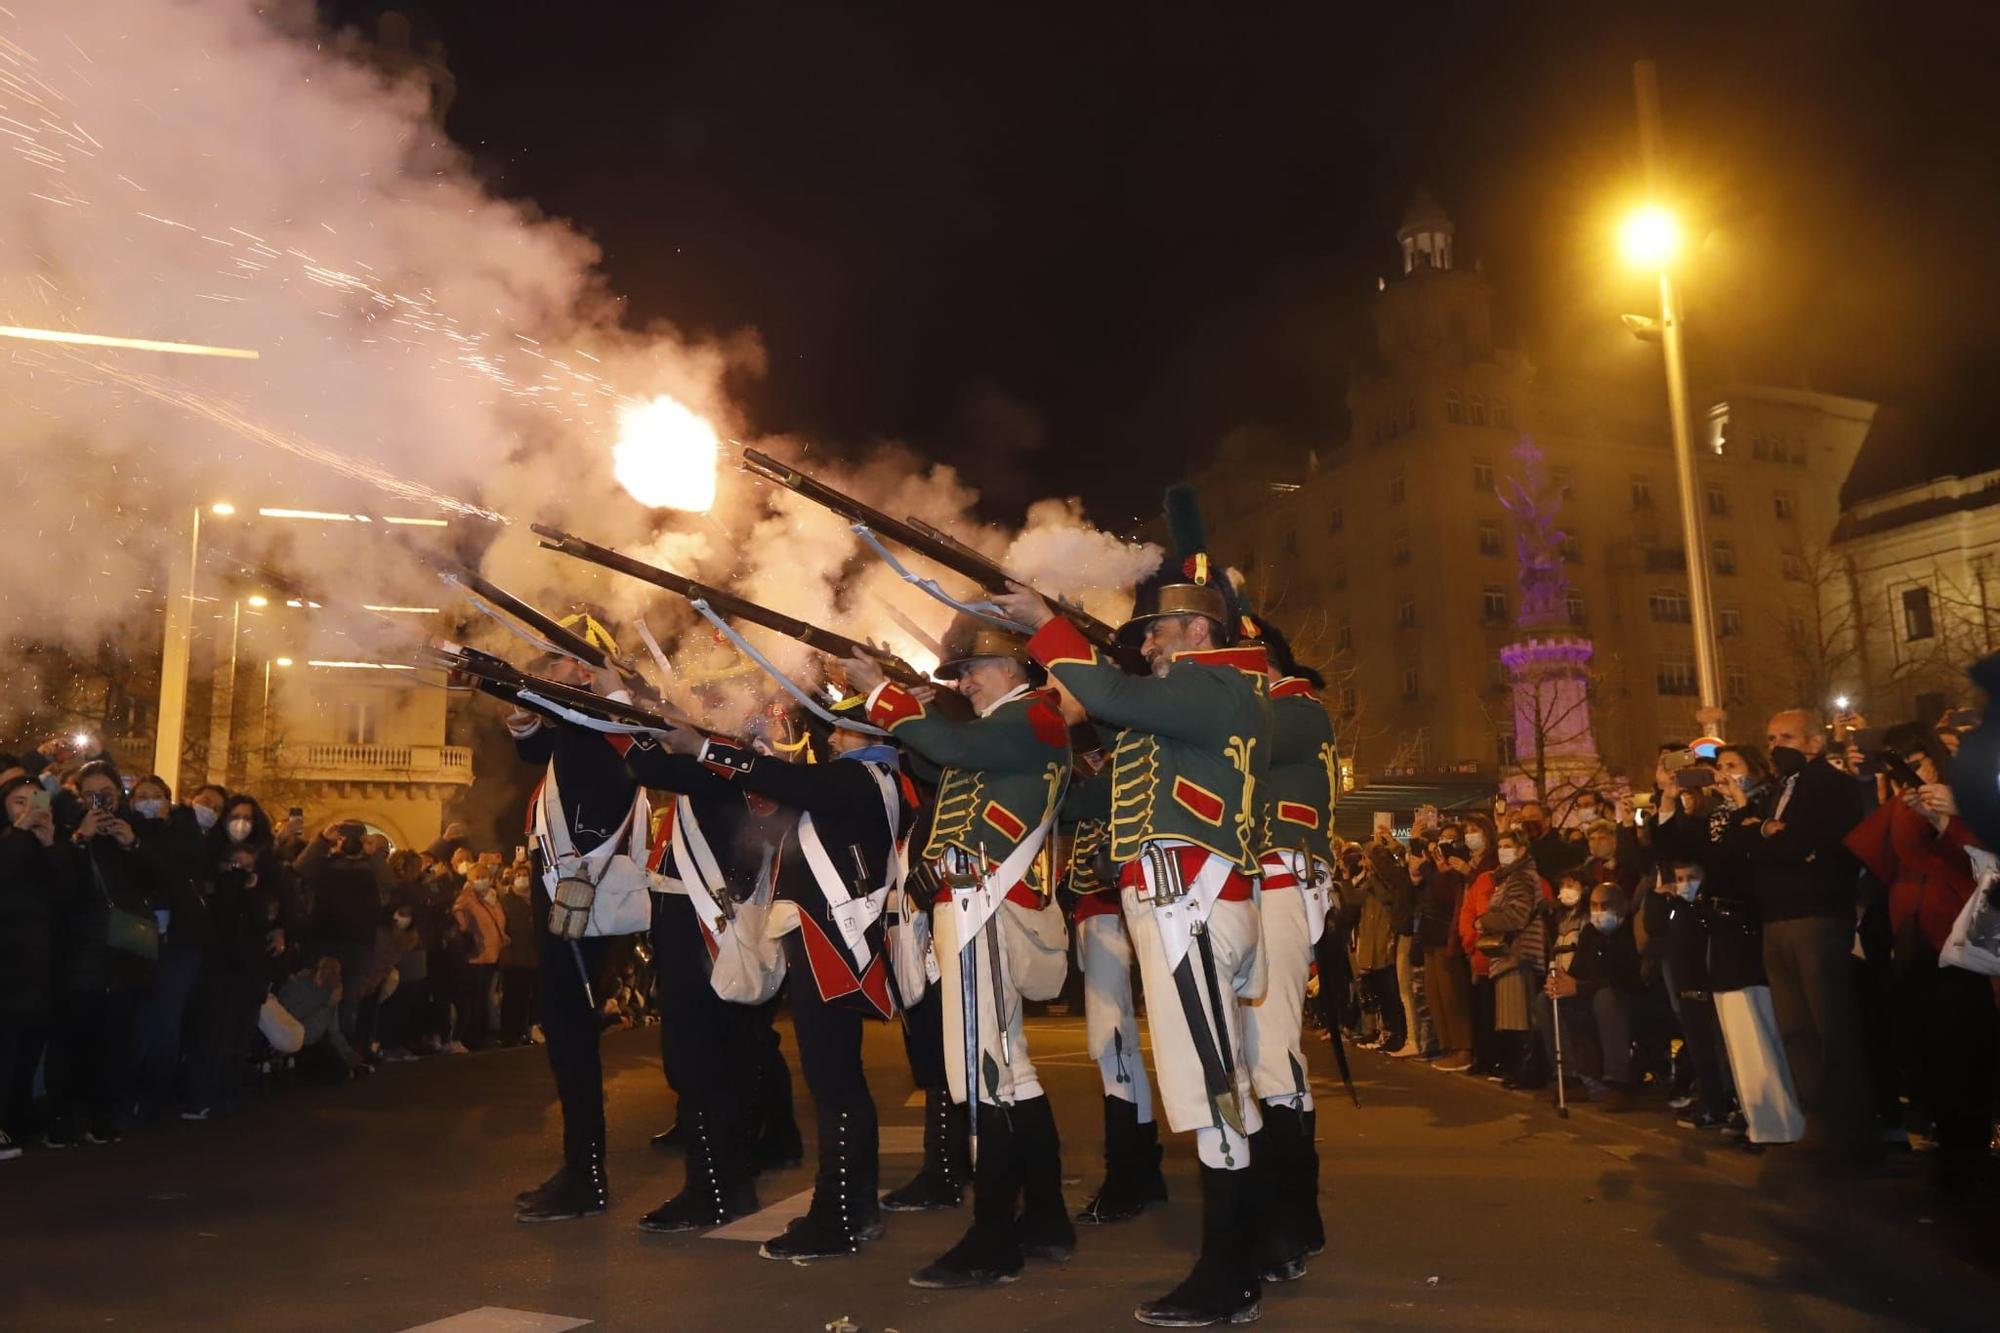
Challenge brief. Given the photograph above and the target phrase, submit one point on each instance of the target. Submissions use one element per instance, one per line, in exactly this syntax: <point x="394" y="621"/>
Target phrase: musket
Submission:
<point x="934" y="546"/>
<point x="504" y="680"/>
<point x="729" y="604"/>
<point x="559" y="636"/>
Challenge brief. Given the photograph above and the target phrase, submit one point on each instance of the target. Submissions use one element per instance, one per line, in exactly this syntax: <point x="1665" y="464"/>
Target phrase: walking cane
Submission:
<point x="1556" y="1017"/>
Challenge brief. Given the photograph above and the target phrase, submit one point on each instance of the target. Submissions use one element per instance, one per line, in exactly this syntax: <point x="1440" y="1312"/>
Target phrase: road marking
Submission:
<point x="766" y="1223"/>
<point x="499" y="1319"/>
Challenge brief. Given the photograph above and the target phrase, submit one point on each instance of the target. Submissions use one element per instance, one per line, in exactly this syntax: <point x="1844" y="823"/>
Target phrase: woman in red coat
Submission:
<point x="1915" y="843"/>
<point x="1482" y="842"/>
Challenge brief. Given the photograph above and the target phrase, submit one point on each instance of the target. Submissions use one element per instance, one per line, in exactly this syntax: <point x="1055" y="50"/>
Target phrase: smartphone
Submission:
<point x="39" y="800"/>
<point x="103" y="802"/>
<point x="1899" y="770"/>
<point x="1694" y="777"/>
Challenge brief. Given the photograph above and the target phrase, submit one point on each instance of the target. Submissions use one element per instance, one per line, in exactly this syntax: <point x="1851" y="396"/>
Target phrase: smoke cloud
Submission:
<point x="223" y="172"/>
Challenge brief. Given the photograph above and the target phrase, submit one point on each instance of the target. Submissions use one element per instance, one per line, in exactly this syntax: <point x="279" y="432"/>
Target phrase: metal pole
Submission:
<point x="1706" y="666"/>
<point x="222" y="703"/>
<point x="174" y="645"/>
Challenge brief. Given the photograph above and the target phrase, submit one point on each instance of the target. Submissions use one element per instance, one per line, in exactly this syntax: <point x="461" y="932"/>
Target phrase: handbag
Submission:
<point x="603" y="892"/>
<point x="126" y="932"/>
<point x="1491" y="944"/>
<point x="1974" y="943"/>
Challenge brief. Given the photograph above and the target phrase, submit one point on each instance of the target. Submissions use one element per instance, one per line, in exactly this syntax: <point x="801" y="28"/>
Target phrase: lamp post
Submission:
<point x="1652" y="239"/>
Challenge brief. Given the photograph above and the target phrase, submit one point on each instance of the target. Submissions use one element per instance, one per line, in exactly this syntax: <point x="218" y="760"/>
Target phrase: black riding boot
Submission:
<point x="1044" y="1227"/>
<point x="941" y="1182"/>
<point x="1274" y="1166"/>
<point x="717" y="1190"/>
<point x="1132" y="1177"/>
<point x="844" y="1209"/>
<point x="988" y="1254"/>
<point x="1223" y="1288"/>
<point x="580" y="1189"/>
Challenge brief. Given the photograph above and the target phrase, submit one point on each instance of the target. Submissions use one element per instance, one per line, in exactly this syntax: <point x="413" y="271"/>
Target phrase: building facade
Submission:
<point x="1917" y="598"/>
<point x="1390" y="556"/>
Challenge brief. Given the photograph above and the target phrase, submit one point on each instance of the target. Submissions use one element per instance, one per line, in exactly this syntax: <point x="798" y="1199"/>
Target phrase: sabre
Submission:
<point x="132" y="344"/>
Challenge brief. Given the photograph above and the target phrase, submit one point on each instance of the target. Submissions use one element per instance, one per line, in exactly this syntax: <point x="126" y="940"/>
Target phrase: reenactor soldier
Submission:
<point x="1000" y="939"/>
<point x="1194" y="741"/>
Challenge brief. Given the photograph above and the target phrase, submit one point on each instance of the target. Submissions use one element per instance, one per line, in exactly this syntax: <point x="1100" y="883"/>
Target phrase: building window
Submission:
<point x="1335" y="519"/>
<point x="1489" y="537"/>
<point x="1642" y="493"/>
<point x="1399" y="549"/>
<point x="1343" y="638"/>
<point x="1572" y="549"/>
<point x="1347" y="701"/>
<point x="1503" y="749"/>
<point x="1718" y="502"/>
<point x="1409" y="682"/>
<point x="1482" y="477"/>
<point x="1503" y="679"/>
<point x="1722" y="557"/>
<point x="1339" y="579"/>
<point x="357" y="722"/>
<point x="1918" y="622"/>
<point x="1493" y="604"/>
<point x="1290" y="544"/>
<point x="1668" y="605"/>
<point x="1781" y="504"/>
<point x="1735" y="683"/>
<point x="1396" y="489"/>
<point x="1502" y="415"/>
<point x="1478" y="405"/>
<point x="1574" y="604"/>
<point x="1676" y="676"/>
<point x="1728" y="622"/>
<point x="1760" y="448"/>
<point x="1791" y="567"/>
<point x="1406" y="613"/>
<point x="1454" y="408"/>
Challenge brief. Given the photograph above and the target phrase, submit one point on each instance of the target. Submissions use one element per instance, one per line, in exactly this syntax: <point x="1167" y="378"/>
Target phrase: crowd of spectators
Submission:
<point x="1752" y="945"/>
<point x="158" y="957"/>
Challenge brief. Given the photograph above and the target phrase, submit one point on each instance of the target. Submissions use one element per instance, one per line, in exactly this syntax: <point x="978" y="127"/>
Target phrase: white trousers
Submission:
<point x="1006" y="1075"/>
<point x="1757" y="1059"/>
<point x="1272" y="1022"/>
<point x="1232" y="937"/>
<point x="1110" y="1020"/>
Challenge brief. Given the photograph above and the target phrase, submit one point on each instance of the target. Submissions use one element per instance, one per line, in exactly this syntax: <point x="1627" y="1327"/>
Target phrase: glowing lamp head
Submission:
<point x="665" y="456"/>
<point x="281" y="661"/>
<point x="258" y="599"/>
<point x="222" y="509"/>
<point x="1651" y="237"/>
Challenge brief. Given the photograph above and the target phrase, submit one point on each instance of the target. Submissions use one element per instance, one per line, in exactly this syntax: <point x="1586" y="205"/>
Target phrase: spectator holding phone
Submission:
<point x="347" y="889"/>
<point x="1915" y="843"/>
<point x="37" y="875"/>
<point x="1447" y="981"/>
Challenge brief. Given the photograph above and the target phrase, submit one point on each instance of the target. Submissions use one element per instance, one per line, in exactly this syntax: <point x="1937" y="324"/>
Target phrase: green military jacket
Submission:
<point x="1195" y="744"/>
<point x="1086" y="823"/>
<point x="1298" y="795"/>
<point x="1003" y="773"/>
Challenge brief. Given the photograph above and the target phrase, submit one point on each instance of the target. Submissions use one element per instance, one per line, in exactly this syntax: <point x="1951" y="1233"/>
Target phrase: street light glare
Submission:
<point x="222" y="509"/>
<point x="282" y="661"/>
<point x="1651" y="237"/>
<point x="258" y="599"/>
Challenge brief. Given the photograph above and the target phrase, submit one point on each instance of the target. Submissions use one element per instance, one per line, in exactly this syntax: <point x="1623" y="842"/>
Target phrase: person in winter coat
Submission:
<point x="174" y="843"/>
<point x="1604" y="974"/>
<point x="1481" y="844"/>
<point x="244" y="939"/>
<point x="37" y="875"/>
<point x="1514" y="931"/>
<point x="1915" y="843"/>
<point x="107" y="938"/>
<point x="482" y="936"/>
<point x="1375" y="941"/>
<point x="1447" y="980"/>
<point x="1686" y="920"/>
<point x="346" y="888"/>
<point x="1566" y="923"/>
<point x="520" y="969"/>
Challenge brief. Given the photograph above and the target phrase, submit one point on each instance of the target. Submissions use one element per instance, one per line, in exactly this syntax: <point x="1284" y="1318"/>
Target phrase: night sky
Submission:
<point x="1070" y="247"/>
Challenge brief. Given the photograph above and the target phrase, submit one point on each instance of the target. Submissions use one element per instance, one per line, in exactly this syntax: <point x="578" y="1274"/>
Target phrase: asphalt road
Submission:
<point x="1450" y="1203"/>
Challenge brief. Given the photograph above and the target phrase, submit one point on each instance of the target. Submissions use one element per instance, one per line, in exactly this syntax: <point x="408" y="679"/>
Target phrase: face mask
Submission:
<point x="239" y="830"/>
<point x="482" y="887"/>
<point x="150" y="808"/>
<point x="1606" y="922"/>
<point x="1475" y="842"/>
<point x="1788" y="760"/>
<point x="1688" y="888"/>
<point x="1569" y="897"/>
<point x="1509" y="855"/>
<point x="520" y="883"/>
<point x="204" y="816"/>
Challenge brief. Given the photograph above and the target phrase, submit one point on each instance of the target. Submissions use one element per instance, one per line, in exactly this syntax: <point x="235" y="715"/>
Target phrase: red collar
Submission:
<point x="1249" y="658"/>
<point x="1287" y="686"/>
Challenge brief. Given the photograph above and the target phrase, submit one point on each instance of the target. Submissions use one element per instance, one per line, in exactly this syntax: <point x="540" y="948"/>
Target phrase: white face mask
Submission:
<point x="204" y="816"/>
<point x="150" y="808"/>
<point x="1475" y="842"/>
<point x="1569" y="897"/>
<point x="239" y="830"/>
<point x="1605" y="922"/>
<point x="1688" y="888"/>
<point x="1509" y="855"/>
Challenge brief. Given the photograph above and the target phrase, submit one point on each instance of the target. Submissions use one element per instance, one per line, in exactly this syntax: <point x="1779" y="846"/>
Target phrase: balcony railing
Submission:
<point x="318" y="761"/>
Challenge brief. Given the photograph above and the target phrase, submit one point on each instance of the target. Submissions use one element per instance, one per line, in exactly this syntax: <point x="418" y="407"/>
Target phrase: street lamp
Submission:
<point x="1651" y="239"/>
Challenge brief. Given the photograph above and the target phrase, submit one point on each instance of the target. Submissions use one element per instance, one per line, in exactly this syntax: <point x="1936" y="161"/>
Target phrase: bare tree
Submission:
<point x="1819" y="617"/>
